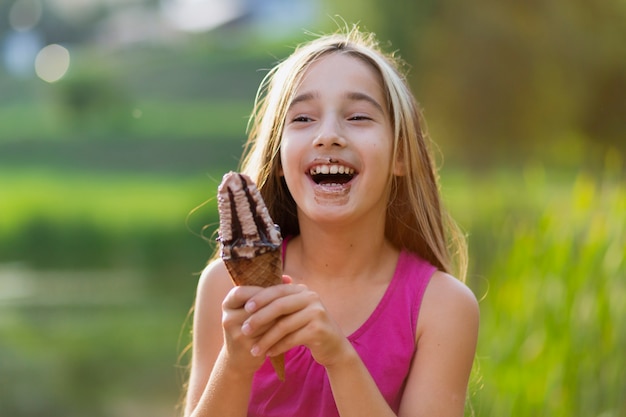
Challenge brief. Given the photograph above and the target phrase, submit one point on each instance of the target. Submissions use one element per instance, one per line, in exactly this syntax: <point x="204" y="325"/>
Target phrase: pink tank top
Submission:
<point x="385" y="343"/>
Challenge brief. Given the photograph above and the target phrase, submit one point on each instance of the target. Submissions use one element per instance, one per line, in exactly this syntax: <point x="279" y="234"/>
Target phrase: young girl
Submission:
<point x="369" y="319"/>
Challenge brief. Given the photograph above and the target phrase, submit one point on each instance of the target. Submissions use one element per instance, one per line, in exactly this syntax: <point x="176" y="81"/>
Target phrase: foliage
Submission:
<point x="510" y="79"/>
<point x="552" y="339"/>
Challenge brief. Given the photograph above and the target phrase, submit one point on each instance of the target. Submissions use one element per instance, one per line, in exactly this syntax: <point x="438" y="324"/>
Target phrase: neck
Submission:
<point x="346" y="252"/>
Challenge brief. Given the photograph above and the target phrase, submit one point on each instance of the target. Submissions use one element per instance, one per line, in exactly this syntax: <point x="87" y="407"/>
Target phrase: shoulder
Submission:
<point x="446" y="287"/>
<point x="448" y="304"/>
<point x="214" y="282"/>
<point x="213" y="286"/>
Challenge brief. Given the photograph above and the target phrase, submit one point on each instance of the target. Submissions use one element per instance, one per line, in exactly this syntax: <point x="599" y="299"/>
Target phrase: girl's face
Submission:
<point x="337" y="142"/>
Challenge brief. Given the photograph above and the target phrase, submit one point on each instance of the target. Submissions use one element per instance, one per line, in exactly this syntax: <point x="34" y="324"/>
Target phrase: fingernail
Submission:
<point x="245" y="328"/>
<point x="255" y="350"/>
<point x="250" y="306"/>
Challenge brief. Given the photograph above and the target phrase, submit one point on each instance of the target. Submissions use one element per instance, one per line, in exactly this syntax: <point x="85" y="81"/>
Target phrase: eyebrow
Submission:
<point x="357" y="96"/>
<point x="352" y="95"/>
<point x="301" y="98"/>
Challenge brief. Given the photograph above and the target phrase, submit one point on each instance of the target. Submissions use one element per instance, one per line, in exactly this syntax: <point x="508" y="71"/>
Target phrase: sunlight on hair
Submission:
<point x="52" y="63"/>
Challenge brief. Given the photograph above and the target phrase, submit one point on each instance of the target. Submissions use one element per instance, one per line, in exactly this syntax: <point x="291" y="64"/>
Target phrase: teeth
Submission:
<point x="331" y="169"/>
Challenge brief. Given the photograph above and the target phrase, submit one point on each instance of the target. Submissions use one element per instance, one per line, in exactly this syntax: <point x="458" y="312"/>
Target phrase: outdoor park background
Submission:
<point x="102" y="168"/>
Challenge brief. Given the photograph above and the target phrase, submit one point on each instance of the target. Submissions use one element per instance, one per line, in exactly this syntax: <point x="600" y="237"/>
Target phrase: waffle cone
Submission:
<point x="262" y="270"/>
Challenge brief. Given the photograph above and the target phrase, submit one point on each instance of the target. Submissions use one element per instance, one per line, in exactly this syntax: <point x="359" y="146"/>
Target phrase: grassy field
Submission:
<point x="100" y="272"/>
<point x="552" y="282"/>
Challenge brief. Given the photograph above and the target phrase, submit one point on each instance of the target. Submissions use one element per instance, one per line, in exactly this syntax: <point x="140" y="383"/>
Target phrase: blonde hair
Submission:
<point x="416" y="220"/>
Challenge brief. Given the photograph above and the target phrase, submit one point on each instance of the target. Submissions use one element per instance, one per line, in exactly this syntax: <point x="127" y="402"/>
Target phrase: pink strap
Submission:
<point x="284" y="249"/>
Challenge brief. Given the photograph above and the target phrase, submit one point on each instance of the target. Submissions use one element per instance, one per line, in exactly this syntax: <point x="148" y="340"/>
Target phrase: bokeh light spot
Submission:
<point x="52" y="62"/>
<point x="201" y="15"/>
<point x="19" y="50"/>
<point x="25" y="14"/>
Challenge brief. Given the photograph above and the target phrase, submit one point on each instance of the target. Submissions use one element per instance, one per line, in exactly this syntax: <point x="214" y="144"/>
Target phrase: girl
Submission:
<point x="369" y="319"/>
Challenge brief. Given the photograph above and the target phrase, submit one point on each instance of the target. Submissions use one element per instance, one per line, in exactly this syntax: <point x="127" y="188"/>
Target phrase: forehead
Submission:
<point x="340" y="72"/>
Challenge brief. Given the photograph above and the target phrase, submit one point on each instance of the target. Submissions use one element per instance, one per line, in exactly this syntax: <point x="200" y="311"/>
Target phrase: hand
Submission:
<point x="284" y="316"/>
<point x="237" y="345"/>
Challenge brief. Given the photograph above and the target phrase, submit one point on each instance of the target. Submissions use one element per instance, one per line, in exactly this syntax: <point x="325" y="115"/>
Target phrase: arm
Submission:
<point x="437" y="383"/>
<point x="447" y="334"/>
<point x="217" y="386"/>
<point x="355" y="391"/>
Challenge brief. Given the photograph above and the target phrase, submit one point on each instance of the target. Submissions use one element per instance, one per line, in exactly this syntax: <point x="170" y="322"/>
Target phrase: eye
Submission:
<point x="359" y="117"/>
<point x="301" y="119"/>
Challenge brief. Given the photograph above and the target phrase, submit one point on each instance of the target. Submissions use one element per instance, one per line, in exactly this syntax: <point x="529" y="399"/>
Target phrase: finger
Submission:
<point x="274" y="303"/>
<point x="239" y="296"/>
<point x="313" y="329"/>
<point x="310" y="326"/>
<point x="269" y="294"/>
<point x="280" y="336"/>
<point x="287" y="279"/>
<point x="285" y="316"/>
<point x="259" y="322"/>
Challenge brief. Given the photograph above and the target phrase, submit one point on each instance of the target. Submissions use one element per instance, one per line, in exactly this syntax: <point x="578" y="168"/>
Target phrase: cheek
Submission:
<point x="290" y="145"/>
<point x="287" y="157"/>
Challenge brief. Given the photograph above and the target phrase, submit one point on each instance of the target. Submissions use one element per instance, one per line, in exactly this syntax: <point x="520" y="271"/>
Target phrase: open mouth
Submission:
<point x="331" y="174"/>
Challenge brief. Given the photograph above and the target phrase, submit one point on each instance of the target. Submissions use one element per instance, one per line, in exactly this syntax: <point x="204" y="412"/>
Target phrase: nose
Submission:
<point x="329" y="134"/>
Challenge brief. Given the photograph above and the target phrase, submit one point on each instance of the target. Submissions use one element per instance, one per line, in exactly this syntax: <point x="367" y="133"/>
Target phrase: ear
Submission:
<point x="399" y="170"/>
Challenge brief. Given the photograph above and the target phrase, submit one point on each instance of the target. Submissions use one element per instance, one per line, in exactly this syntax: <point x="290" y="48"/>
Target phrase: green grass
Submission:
<point x="116" y="202"/>
<point x="56" y="219"/>
<point x="50" y="120"/>
<point x="194" y="119"/>
<point x="552" y="337"/>
<point x="88" y="360"/>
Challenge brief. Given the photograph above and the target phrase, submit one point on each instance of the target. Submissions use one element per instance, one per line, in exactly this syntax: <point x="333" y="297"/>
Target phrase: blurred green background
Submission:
<point x="113" y="140"/>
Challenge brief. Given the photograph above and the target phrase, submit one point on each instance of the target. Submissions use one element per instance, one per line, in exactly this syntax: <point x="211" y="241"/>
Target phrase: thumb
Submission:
<point x="287" y="279"/>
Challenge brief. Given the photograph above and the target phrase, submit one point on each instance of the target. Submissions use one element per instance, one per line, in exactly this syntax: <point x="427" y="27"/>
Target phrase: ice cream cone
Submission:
<point x="250" y="241"/>
<point x="262" y="270"/>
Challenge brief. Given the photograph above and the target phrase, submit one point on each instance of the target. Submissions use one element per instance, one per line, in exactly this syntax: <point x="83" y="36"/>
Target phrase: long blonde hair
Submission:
<point x="416" y="220"/>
